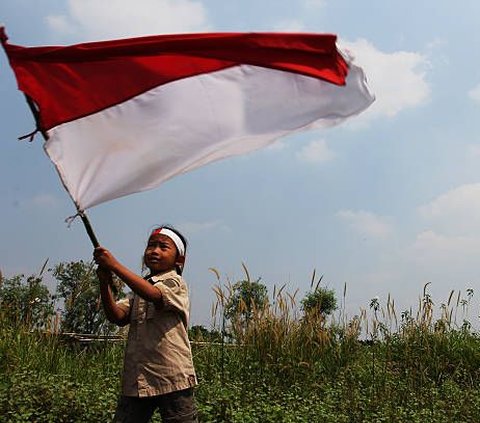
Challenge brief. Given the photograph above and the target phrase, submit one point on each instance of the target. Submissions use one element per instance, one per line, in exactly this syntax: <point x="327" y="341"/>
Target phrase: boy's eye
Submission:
<point x="159" y="245"/>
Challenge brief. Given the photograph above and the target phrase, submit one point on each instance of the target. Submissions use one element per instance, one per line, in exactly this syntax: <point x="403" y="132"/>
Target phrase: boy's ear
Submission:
<point x="180" y="260"/>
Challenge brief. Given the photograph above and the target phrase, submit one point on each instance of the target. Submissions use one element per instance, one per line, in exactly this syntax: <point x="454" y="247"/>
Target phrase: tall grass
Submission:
<point x="45" y="379"/>
<point x="378" y="366"/>
<point x="279" y="365"/>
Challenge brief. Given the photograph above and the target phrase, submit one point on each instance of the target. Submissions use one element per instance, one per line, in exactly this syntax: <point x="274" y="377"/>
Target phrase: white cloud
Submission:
<point x="453" y="240"/>
<point x="97" y="20"/>
<point x="315" y="152"/>
<point x="457" y="209"/>
<point x="290" y="25"/>
<point x="195" y="227"/>
<point x="277" y="146"/>
<point x="314" y="4"/>
<point x="437" y="44"/>
<point x="473" y="150"/>
<point x="433" y="248"/>
<point x="44" y="201"/>
<point x="60" y="24"/>
<point x="366" y="223"/>
<point x="397" y="79"/>
<point x="463" y="198"/>
<point x="474" y="94"/>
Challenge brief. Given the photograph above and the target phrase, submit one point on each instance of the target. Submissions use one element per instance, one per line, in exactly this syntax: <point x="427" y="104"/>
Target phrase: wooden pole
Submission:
<point x="89" y="229"/>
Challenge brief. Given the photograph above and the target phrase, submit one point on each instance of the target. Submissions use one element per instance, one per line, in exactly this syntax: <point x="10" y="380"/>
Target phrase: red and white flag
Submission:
<point x="124" y="116"/>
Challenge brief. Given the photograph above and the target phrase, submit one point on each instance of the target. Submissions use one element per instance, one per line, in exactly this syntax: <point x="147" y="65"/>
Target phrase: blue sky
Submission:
<point x="384" y="203"/>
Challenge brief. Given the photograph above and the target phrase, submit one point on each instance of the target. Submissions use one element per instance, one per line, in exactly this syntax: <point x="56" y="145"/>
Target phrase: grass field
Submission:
<point x="278" y="366"/>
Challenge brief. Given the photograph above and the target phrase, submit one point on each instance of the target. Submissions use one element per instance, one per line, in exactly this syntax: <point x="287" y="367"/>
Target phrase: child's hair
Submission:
<point x="179" y="269"/>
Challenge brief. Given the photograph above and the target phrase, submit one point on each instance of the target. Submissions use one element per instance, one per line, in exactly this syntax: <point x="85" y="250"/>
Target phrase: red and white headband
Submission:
<point x="174" y="237"/>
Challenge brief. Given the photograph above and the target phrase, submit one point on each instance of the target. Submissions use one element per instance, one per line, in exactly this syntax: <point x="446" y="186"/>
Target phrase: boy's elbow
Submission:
<point x="118" y="322"/>
<point x="122" y="322"/>
<point x="119" y="318"/>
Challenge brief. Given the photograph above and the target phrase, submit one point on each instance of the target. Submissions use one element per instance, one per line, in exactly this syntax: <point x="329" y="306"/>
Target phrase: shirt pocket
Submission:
<point x="152" y="310"/>
<point x="138" y="309"/>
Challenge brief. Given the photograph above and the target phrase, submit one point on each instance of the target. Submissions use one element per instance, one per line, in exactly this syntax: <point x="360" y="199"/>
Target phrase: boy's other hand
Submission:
<point x="105" y="275"/>
<point x="104" y="258"/>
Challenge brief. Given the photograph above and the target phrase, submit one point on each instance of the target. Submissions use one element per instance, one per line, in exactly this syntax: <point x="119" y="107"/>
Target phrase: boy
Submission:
<point x="158" y="369"/>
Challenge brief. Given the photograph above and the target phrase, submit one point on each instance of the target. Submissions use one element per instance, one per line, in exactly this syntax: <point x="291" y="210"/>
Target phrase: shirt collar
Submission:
<point x="163" y="275"/>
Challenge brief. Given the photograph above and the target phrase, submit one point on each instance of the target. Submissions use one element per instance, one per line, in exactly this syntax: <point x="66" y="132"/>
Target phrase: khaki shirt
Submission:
<point x="158" y="358"/>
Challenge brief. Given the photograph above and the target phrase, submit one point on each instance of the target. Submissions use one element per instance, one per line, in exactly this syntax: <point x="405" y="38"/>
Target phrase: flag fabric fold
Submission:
<point x="123" y="116"/>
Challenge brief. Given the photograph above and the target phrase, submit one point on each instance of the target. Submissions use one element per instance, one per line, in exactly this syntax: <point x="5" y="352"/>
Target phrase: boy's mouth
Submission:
<point x="154" y="260"/>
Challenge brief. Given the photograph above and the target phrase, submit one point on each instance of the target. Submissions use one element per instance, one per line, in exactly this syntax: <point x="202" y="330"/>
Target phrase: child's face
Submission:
<point x="161" y="254"/>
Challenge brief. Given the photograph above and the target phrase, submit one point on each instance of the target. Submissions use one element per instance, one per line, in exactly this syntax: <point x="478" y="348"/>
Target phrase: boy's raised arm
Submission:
<point x="137" y="284"/>
<point x="114" y="313"/>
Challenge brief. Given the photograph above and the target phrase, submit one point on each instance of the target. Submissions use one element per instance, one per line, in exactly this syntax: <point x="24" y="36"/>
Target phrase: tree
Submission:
<point x="80" y="289"/>
<point x="200" y="333"/>
<point x="26" y="301"/>
<point x="319" y="302"/>
<point x="246" y="297"/>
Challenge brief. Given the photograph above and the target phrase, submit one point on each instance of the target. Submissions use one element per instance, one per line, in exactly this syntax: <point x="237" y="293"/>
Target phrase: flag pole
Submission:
<point x="81" y="213"/>
<point x="89" y="229"/>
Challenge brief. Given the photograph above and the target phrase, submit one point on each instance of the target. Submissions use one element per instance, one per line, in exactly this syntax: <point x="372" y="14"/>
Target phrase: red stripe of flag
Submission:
<point x="90" y="72"/>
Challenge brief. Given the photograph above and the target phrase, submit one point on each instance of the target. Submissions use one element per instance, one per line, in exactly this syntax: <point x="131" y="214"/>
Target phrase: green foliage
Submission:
<point x="285" y="369"/>
<point x="26" y="301"/>
<point x="200" y="333"/>
<point x="320" y="302"/>
<point x="80" y="289"/>
<point x="43" y="379"/>
<point x="246" y="298"/>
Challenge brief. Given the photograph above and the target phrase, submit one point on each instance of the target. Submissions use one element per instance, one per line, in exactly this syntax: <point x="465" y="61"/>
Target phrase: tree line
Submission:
<point x="75" y="305"/>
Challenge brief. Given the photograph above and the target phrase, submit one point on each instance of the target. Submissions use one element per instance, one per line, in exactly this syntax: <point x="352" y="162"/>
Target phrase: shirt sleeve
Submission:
<point x="174" y="294"/>
<point x="125" y="303"/>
